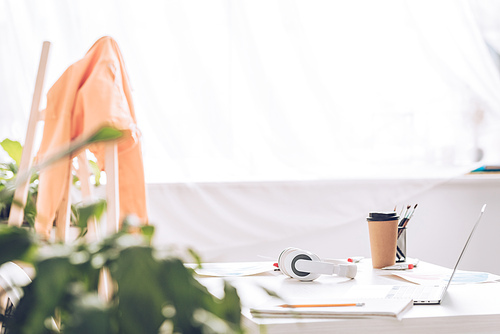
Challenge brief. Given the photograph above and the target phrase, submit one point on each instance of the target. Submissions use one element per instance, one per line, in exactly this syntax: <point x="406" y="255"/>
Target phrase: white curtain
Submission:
<point x="487" y="14"/>
<point x="231" y="92"/>
<point x="270" y="90"/>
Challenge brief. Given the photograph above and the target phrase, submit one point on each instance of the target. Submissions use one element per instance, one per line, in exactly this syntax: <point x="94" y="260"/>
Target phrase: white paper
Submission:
<point x="460" y="277"/>
<point x="233" y="269"/>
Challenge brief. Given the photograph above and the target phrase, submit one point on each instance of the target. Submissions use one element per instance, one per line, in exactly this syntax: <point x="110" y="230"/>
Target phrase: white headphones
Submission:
<point x="306" y="266"/>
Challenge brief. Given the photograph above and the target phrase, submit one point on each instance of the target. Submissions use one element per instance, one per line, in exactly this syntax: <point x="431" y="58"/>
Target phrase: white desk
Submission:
<point x="471" y="308"/>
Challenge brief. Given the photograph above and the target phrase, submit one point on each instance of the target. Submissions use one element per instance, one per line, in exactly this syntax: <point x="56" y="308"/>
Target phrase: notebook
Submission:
<point x="369" y="308"/>
<point x="421" y="294"/>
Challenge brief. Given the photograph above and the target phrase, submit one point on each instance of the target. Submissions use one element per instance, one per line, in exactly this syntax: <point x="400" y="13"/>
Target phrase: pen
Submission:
<point x="402" y="266"/>
<point x="322" y="305"/>
<point x="355" y="259"/>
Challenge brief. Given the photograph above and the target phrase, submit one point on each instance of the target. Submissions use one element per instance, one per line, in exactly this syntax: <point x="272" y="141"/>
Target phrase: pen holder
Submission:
<point x="401" y="245"/>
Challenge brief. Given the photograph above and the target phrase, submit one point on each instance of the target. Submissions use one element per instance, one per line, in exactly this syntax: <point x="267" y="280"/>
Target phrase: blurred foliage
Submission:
<point x="8" y="174"/>
<point x="154" y="292"/>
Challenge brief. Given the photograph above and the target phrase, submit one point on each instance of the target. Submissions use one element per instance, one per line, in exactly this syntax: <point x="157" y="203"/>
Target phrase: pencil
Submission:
<point x="322" y="305"/>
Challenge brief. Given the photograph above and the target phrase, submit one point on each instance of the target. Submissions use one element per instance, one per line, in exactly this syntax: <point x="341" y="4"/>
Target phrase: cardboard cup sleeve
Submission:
<point x="383" y="241"/>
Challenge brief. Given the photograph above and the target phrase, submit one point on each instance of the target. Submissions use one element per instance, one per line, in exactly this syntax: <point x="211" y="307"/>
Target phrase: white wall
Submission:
<point x="439" y="232"/>
<point x="255" y="221"/>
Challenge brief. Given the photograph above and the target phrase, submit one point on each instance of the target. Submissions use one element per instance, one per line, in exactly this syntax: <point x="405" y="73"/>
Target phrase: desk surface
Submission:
<point x="467" y="308"/>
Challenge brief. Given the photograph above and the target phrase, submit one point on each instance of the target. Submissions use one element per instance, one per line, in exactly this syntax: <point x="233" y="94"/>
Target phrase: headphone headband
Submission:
<point x="306" y="266"/>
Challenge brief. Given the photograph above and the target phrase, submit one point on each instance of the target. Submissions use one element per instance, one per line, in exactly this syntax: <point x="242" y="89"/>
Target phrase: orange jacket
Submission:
<point x="91" y="93"/>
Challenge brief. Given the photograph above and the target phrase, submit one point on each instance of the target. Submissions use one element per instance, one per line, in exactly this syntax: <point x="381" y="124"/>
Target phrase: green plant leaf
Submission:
<point x="96" y="171"/>
<point x="148" y="232"/>
<point x="183" y="292"/>
<point x="270" y="292"/>
<point x="13" y="148"/>
<point x="105" y="133"/>
<point x="92" y="210"/>
<point x="195" y="256"/>
<point x="89" y="314"/>
<point x="16" y="243"/>
<point x="9" y="167"/>
<point x="43" y="295"/>
<point x="227" y="308"/>
<point x="189" y="297"/>
<point x="139" y="292"/>
<point x="231" y="305"/>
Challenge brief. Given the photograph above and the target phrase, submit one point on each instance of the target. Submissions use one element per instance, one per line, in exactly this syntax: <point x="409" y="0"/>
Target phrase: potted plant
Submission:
<point x="8" y="173"/>
<point x="154" y="292"/>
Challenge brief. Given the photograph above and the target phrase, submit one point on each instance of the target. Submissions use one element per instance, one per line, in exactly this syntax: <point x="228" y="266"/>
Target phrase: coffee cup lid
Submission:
<point x="382" y="216"/>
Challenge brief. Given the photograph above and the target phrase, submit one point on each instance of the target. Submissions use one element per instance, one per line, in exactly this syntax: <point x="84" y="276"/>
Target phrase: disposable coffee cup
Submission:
<point x="383" y="231"/>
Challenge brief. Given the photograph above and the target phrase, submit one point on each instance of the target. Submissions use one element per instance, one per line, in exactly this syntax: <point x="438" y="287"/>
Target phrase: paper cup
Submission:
<point x="383" y="231"/>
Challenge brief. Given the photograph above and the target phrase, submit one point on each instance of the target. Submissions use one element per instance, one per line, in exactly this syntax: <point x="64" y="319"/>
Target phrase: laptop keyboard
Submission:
<point x="415" y="292"/>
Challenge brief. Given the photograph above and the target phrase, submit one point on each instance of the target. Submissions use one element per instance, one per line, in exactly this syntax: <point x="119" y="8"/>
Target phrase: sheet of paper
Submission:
<point x="461" y="277"/>
<point x="232" y="269"/>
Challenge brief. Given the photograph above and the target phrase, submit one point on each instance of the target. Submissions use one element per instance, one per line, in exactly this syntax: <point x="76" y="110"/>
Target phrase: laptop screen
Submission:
<point x="465" y="247"/>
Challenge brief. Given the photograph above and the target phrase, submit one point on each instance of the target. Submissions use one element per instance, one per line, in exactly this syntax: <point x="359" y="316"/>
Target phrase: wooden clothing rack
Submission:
<point x="64" y="209"/>
<point x="62" y="221"/>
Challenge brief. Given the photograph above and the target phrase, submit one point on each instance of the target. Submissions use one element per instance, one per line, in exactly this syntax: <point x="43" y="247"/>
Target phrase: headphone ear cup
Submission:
<point x="345" y="270"/>
<point x="284" y="255"/>
<point x="281" y="260"/>
<point x="289" y="257"/>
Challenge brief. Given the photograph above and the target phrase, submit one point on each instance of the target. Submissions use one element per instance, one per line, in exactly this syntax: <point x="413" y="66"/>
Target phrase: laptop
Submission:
<point x="421" y="294"/>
